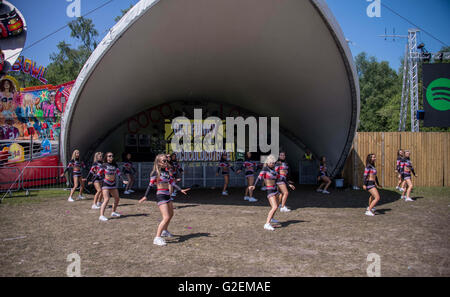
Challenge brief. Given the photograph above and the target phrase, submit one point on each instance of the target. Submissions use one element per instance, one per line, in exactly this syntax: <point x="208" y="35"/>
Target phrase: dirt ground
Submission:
<point x="324" y="235"/>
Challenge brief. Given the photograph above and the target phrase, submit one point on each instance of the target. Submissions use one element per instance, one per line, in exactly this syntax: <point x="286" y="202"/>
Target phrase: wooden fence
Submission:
<point x="429" y="156"/>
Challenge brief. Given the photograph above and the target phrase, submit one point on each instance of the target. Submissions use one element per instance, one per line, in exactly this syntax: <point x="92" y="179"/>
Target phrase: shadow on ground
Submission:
<point x="304" y="196"/>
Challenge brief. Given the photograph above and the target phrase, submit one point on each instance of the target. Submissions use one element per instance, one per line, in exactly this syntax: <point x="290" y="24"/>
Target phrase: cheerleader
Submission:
<point x="161" y="178"/>
<point x="400" y="156"/>
<point x="270" y="178"/>
<point x="282" y="169"/>
<point x="371" y="184"/>
<point x="407" y="169"/>
<point x="129" y="171"/>
<point x="76" y="166"/>
<point x="109" y="172"/>
<point x="93" y="178"/>
<point x="323" y="176"/>
<point x="225" y="167"/>
<point x="176" y="171"/>
<point x="250" y="167"/>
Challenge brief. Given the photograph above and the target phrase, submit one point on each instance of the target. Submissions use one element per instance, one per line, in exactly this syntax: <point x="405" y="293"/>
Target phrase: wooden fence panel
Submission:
<point x="446" y="169"/>
<point x="429" y="155"/>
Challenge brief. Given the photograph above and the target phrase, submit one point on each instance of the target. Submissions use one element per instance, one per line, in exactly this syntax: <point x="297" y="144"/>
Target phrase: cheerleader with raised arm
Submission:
<point x="270" y="177"/>
<point x="161" y="179"/>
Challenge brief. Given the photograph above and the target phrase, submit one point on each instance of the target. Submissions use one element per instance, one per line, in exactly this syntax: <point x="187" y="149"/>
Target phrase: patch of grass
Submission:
<point x="37" y="196"/>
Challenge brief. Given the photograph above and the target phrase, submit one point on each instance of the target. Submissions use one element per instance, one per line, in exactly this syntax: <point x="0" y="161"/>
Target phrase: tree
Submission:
<point x="123" y="11"/>
<point x="380" y="94"/>
<point x="68" y="61"/>
<point x="84" y="30"/>
<point x="380" y="90"/>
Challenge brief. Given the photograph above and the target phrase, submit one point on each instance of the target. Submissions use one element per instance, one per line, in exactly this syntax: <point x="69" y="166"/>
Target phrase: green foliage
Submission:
<point x="123" y="11"/>
<point x="380" y="90"/>
<point x="25" y="80"/>
<point x="68" y="61"/>
<point x="380" y="94"/>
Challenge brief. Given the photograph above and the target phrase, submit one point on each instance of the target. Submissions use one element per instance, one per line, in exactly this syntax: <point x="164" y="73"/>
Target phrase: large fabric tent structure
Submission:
<point x="285" y="58"/>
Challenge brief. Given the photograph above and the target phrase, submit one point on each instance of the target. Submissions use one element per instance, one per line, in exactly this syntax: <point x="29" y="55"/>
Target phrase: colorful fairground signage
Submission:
<point x="30" y="67"/>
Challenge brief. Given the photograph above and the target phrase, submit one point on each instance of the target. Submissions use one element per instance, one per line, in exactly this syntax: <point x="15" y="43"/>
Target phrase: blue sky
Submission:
<point x="46" y="16"/>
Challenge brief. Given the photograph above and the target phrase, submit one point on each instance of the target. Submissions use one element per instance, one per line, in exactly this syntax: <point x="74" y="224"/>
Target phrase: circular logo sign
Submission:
<point x="438" y="94"/>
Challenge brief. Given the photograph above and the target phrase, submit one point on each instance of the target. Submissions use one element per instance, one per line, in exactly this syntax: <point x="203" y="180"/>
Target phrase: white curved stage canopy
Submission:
<point x="285" y="58"/>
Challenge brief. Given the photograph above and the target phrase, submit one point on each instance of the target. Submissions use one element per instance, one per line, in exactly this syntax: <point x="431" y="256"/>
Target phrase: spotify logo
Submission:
<point x="438" y="94"/>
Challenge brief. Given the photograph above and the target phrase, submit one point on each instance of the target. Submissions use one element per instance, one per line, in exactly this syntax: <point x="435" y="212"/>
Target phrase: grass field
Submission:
<point x="323" y="235"/>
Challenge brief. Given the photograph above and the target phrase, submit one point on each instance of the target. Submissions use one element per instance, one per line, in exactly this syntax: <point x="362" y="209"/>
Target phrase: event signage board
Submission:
<point x="436" y="95"/>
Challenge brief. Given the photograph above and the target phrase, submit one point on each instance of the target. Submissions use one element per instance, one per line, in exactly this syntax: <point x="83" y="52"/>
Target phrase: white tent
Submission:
<point x="284" y="58"/>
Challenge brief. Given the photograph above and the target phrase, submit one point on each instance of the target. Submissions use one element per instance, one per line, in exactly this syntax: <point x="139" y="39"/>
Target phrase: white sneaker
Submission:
<point x="285" y="209"/>
<point x="127" y="192"/>
<point x="115" y="214"/>
<point x="99" y="204"/>
<point x="274" y="221"/>
<point x="402" y="197"/>
<point x="251" y="199"/>
<point x="408" y="199"/>
<point x="95" y="206"/>
<point x="269" y="227"/>
<point x="159" y="241"/>
<point x="166" y="233"/>
<point x="131" y="191"/>
<point x="369" y="213"/>
<point x="103" y="218"/>
<point x="319" y="190"/>
<point x="373" y="209"/>
<point x="402" y="190"/>
<point x="225" y="193"/>
<point x="246" y="197"/>
<point x="70" y="199"/>
<point x="81" y="197"/>
<point x="325" y="192"/>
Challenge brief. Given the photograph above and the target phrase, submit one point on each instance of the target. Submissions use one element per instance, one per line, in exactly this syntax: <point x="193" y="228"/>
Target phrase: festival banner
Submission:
<point x="436" y="95"/>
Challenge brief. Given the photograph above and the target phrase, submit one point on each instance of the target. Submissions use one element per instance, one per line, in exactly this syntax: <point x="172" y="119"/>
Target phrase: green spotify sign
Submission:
<point x="436" y="95"/>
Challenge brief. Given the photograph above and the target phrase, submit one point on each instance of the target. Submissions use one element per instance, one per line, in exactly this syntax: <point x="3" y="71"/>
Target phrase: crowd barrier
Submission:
<point x="200" y="174"/>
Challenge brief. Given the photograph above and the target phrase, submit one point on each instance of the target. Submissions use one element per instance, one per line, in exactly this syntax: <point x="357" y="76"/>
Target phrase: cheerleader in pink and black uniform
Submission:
<point x="398" y="166"/>
<point x="109" y="172"/>
<point x="282" y="168"/>
<point x="161" y="179"/>
<point x="249" y="166"/>
<point x="129" y="171"/>
<point x="96" y="180"/>
<point x="371" y="184"/>
<point x="406" y="169"/>
<point x="225" y="167"/>
<point x="270" y="178"/>
<point x="78" y="179"/>
<point x="176" y="171"/>
<point x="323" y="177"/>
